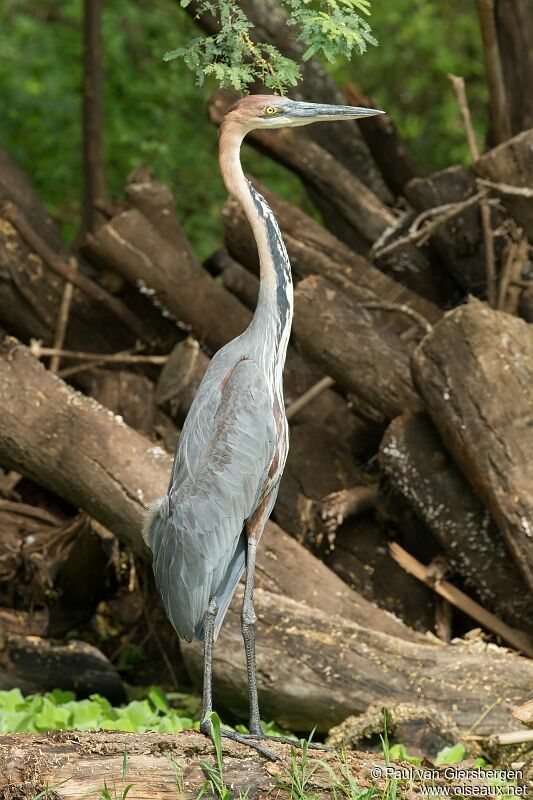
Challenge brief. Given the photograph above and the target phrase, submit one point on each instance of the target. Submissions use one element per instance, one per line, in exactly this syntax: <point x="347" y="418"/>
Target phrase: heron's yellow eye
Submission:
<point x="270" y="110"/>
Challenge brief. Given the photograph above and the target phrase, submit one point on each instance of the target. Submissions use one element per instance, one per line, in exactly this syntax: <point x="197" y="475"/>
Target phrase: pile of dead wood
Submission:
<point x="409" y="483"/>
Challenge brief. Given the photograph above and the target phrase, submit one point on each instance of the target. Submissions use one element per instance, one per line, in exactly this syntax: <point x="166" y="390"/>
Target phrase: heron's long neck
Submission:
<point x="273" y="315"/>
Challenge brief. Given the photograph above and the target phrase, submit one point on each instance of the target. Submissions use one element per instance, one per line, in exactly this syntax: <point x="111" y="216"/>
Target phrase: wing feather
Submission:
<point x="196" y="536"/>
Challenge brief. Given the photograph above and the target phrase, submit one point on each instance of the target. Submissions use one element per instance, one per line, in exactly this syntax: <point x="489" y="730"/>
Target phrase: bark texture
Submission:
<point x="480" y="401"/>
<point x="413" y="457"/>
<point x="369" y="361"/>
<point x="511" y="163"/>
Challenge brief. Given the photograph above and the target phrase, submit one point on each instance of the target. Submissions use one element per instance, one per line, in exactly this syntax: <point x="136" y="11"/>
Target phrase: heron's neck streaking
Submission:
<point x="273" y="314"/>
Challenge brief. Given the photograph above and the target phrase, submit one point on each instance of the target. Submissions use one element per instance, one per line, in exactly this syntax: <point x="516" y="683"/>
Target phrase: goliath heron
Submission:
<point x="233" y="446"/>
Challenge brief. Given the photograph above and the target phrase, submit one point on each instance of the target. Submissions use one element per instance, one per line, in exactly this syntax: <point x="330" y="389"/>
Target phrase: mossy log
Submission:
<point x="475" y="372"/>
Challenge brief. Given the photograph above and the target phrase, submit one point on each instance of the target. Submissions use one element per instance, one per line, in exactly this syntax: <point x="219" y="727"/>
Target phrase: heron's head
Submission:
<point x="272" y="111"/>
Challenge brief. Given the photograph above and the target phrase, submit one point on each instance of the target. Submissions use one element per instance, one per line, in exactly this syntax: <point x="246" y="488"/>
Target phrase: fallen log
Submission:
<point x="341" y="665"/>
<point x="480" y="402"/>
<point x="414" y="459"/>
<point x="40" y="665"/>
<point x="169" y="767"/>
<point x="459" y="243"/>
<point x="113" y="472"/>
<point x="314" y="250"/>
<point x="238" y="280"/>
<point x="187" y="292"/>
<point x="511" y="163"/>
<point x="370" y="361"/>
<point x="128" y="394"/>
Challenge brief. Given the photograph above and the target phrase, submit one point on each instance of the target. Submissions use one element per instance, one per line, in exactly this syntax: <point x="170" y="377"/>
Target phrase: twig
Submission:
<point x="400" y="308"/>
<point x="512" y="737"/>
<point x="311" y="393"/>
<point x="483" y="716"/>
<point x="498" y="100"/>
<point x="506" y="188"/>
<point x="454" y="209"/>
<point x="37" y="350"/>
<point x="488" y="236"/>
<point x="60" y="267"/>
<point x="62" y="320"/>
<point x="518" y="639"/>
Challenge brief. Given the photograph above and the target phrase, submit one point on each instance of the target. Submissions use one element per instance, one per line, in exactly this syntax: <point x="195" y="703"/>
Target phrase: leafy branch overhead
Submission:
<point x="329" y="28"/>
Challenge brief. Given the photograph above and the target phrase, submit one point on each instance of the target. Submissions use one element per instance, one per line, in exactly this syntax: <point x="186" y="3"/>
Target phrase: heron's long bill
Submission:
<point x="324" y="112"/>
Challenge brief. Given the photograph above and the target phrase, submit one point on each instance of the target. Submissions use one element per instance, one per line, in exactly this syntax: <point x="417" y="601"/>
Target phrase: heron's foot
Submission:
<point x="246" y="739"/>
<point x="260" y="736"/>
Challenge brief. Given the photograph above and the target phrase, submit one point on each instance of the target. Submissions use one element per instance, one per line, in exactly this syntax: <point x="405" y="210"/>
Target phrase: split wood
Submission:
<point x="516" y="638"/>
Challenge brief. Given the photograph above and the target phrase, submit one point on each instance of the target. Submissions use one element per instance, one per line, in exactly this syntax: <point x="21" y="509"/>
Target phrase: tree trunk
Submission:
<point x="95" y="188"/>
<point x="480" y="401"/>
<point x="514" y="26"/>
<point x="368" y="360"/>
<point x="413" y="457"/>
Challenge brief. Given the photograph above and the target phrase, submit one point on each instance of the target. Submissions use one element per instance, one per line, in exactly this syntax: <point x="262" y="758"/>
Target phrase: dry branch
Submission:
<point x="480" y="401"/>
<point x="453" y="595"/>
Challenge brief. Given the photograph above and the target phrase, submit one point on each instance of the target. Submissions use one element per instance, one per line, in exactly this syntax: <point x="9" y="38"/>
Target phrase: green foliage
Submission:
<point x="215" y="775"/>
<point x="60" y="710"/>
<point x="329" y="28"/>
<point x="451" y="755"/>
<point x="343" y="784"/>
<point x="421" y="42"/>
<point x="295" y="781"/>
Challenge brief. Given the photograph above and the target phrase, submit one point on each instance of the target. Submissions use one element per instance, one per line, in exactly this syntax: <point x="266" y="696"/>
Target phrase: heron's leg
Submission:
<point x="248" y="623"/>
<point x="207" y="697"/>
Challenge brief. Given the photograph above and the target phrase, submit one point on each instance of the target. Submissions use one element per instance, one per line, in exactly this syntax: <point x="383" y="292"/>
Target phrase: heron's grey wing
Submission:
<point x="196" y="539"/>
